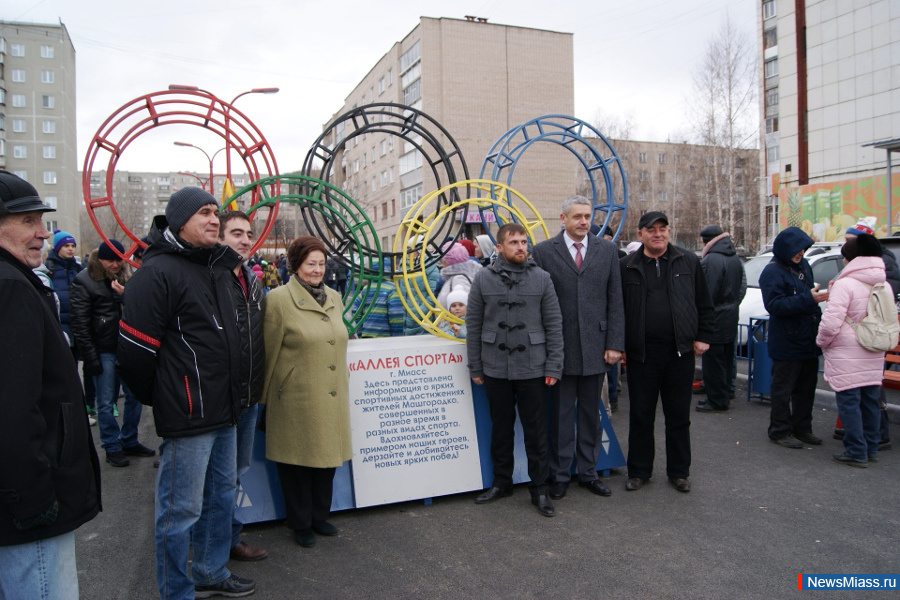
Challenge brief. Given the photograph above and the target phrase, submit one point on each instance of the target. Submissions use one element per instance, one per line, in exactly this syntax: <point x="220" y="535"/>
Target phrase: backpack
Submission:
<point x="880" y="329"/>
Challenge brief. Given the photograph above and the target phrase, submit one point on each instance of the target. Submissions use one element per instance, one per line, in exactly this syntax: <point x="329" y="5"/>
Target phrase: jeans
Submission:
<point x="246" y="432"/>
<point x="861" y="416"/>
<point x="530" y="396"/>
<point x="793" y="393"/>
<point x="664" y="375"/>
<point x="41" y="570"/>
<point x="107" y="387"/>
<point x="195" y="490"/>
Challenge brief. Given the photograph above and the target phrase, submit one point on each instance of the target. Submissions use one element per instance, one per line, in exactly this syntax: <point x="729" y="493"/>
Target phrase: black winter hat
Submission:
<point x="184" y="203"/>
<point x="107" y="253"/>
<point x="863" y="245"/>
<point x="19" y="196"/>
<point x="709" y="232"/>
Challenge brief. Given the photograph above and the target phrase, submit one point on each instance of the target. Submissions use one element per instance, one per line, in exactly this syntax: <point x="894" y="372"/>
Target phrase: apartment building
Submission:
<point x="37" y="115"/>
<point x="478" y="80"/>
<point x="694" y="185"/>
<point x="830" y="88"/>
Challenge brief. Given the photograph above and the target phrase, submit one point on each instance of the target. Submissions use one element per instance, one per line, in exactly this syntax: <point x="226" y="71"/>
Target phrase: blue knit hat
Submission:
<point x="61" y="238"/>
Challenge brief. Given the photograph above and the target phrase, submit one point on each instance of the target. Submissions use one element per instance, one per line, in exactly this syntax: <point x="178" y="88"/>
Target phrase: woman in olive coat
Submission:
<point x="306" y="390"/>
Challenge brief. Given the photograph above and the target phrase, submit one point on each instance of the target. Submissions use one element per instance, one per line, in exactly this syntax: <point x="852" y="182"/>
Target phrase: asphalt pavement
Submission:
<point x="758" y="515"/>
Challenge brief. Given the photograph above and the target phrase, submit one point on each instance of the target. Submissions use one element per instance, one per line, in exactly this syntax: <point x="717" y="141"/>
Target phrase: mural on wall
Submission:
<point x="826" y="210"/>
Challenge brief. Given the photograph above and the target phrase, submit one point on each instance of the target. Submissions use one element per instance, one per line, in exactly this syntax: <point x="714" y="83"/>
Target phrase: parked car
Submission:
<point x="826" y="262"/>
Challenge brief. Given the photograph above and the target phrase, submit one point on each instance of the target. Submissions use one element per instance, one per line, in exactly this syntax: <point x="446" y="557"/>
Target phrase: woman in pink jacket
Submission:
<point x="853" y="372"/>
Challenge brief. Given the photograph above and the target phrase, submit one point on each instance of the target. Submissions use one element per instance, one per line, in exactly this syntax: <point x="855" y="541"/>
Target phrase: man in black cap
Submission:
<point x="668" y="321"/>
<point x="49" y="488"/>
<point x="727" y="283"/>
<point x="96" y="307"/>
<point x="179" y="351"/>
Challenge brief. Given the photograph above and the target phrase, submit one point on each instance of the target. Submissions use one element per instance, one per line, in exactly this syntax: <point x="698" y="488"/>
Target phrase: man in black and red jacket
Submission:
<point x="179" y="351"/>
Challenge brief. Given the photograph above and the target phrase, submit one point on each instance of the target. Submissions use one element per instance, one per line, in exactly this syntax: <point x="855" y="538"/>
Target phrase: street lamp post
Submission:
<point x="211" y="180"/>
<point x="227" y="111"/>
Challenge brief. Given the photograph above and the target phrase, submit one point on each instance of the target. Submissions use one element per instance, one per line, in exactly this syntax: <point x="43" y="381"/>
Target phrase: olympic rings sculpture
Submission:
<point x="567" y="132"/>
<point x="184" y="107"/>
<point x="418" y="227"/>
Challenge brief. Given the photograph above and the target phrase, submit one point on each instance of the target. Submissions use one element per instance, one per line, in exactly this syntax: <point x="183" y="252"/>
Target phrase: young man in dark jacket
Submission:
<point x="179" y="351"/>
<point x="668" y="321"/>
<point x="49" y="474"/>
<point x="727" y="283"/>
<point x="236" y="233"/>
<point x="96" y="299"/>
<point x="792" y="299"/>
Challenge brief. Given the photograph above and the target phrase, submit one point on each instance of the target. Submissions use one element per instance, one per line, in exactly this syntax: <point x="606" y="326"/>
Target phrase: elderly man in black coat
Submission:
<point x="49" y="475"/>
<point x="585" y="273"/>
<point x="727" y="284"/>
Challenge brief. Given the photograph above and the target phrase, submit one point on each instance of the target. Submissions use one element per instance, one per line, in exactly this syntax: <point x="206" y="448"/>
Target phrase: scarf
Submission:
<point x="317" y="292"/>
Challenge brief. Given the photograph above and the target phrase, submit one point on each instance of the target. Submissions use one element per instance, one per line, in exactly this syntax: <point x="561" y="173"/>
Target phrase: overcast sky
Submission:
<point x="631" y="58"/>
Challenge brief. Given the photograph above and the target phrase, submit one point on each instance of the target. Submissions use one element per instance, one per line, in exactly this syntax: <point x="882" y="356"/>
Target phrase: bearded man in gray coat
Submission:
<point x="515" y="350"/>
<point x="586" y="275"/>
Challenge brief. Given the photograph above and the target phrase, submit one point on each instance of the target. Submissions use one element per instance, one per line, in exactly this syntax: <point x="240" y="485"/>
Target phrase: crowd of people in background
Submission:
<point x="221" y="344"/>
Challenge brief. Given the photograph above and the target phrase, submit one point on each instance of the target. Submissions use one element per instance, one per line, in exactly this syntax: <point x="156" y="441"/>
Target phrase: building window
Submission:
<point x="662" y="159"/>
<point x="772" y="154"/>
<point x="17" y="50"/>
<point x="19" y="126"/>
<point x="410" y="57"/>
<point x="772" y="68"/>
<point x="22" y="174"/>
<point x="662" y="196"/>
<point x="384" y="179"/>
<point x="48" y="126"/>
<point x="410" y="196"/>
<point x="412" y="93"/>
<point x="18" y="75"/>
<point x="47" y="52"/>
<point x="374" y="184"/>
<point x="642" y="157"/>
<point x="642" y="176"/>
<point x="18" y="100"/>
<point x="51" y="201"/>
<point x="393" y="206"/>
<point x="383" y="147"/>
<point x="662" y="176"/>
<point x="20" y="152"/>
<point x="771" y="124"/>
<point x="772" y="97"/>
<point x="390" y="77"/>
<point x="768" y="9"/>
<point x="391" y="174"/>
<point x="642" y="196"/>
<point x="770" y="38"/>
<point x="48" y="101"/>
<point x="384" y="210"/>
<point x="47" y="76"/>
<point x="49" y="151"/>
<point x="410" y="161"/>
<point x="677" y="177"/>
<point x="381" y="86"/>
<point x="356" y="166"/>
<point x="2" y="145"/>
<point x="50" y="177"/>
<point x="391" y="144"/>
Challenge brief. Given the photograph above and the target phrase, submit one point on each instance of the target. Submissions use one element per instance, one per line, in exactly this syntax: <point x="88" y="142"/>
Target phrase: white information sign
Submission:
<point x="412" y="420"/>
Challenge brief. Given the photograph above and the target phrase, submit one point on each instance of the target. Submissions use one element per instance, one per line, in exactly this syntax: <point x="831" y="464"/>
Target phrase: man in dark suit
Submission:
<point x="585" y="273"/>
